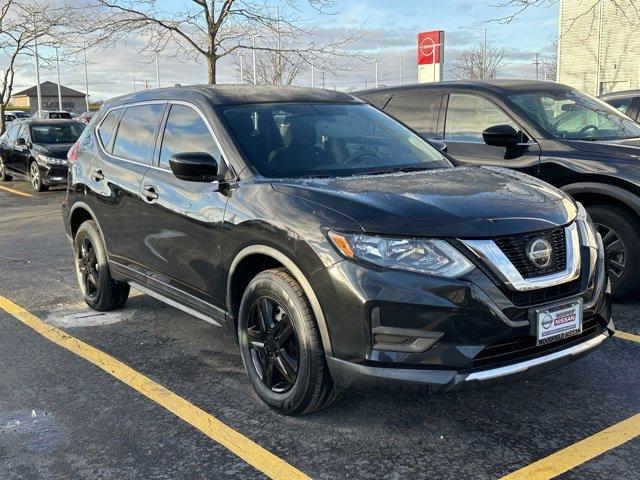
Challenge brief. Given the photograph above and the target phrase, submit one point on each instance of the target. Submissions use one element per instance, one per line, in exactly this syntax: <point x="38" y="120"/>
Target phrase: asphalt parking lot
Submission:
<point x="61" y="416"/>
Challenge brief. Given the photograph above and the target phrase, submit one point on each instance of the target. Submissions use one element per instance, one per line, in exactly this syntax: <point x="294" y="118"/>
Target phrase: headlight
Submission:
<point x="586" y="227"/>
<point x="430" y="256"/>
<point x="51" y="160"/>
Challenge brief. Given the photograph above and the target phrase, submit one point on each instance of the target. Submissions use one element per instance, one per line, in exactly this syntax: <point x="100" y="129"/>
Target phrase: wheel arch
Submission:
<point x="79" y="213"/>
<point x="255" y="258"/>
<point x="592" y="193"/>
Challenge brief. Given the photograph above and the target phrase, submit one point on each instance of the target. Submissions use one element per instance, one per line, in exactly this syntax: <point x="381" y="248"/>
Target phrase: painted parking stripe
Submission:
<point x="628" y="336"/>
<point x="249" y="451"/>
<point x="581" y="452"/>
<point x="17" y="192"/>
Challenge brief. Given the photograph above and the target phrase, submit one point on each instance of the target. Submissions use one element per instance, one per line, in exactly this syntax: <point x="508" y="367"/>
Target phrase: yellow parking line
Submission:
<point x="249" y="451"/>
<point x="579" y="453"/>
<point x="17" y="192"/>
<point x="628" y="336"/>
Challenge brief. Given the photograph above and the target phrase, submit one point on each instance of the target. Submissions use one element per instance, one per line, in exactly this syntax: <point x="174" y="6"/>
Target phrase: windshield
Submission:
<point x="67" y="133"/>
<point x="573" y="115"/>
<point x="19" y="114"/>
<point x="305" y="140"/>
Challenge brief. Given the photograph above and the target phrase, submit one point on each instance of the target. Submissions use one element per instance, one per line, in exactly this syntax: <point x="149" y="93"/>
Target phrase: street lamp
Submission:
<point x="375" y="61"/>
<point x="484" y="50"/>
<point x="253" y="53"/>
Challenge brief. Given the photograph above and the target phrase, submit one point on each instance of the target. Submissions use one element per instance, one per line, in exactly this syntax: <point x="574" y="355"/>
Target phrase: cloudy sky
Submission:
<point x="389" y="30"/>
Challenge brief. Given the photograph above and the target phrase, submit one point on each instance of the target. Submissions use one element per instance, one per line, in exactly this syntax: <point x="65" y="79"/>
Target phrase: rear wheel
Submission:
<point x="36" y="179"/>
<point x="620" y="232"/>
<point x="100" y="291"/>
<point x="4" y="176"/>
<point x="281" y="347"/>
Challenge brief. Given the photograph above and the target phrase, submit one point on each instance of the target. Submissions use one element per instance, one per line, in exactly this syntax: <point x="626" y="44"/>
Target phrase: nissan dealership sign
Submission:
<point x="430" y="56"/>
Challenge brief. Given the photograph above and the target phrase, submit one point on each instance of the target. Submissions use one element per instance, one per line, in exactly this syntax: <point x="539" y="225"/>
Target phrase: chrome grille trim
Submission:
<point x="491" y="255"/>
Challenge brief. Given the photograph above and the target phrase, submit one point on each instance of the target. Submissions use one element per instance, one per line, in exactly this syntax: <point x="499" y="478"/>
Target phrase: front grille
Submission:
<point x="524" y="347"/>
<point x="543" y="295"/>
<point x="515" y="249"/>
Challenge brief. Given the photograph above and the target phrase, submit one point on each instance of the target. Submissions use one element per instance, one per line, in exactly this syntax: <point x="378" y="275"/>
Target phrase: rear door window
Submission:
<point x="136" y="132"/>
<point x="186" y="132"/>
<point x="621" y="104"/>
<point x="418" y="110"/>
<point x="105" y="130"/>
<point x="12" y="132"/>
<point x="469" y="115"/>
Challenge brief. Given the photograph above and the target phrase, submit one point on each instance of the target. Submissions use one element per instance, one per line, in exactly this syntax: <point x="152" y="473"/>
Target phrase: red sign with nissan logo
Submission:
<point x="430" y="47"/>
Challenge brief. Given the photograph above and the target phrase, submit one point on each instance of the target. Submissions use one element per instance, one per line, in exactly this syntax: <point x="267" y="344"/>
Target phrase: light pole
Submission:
<point x="39" y="93"/>
<point x="157" y="71"/>
<point x="375" y="61"/>
<point x="59" y="87"/>
<point x="241" y="58"/>
<point x="86" y="79"/>
<point x="400" y="69"/>
<point x="253" y="52"/>
<point x="313" y="69"/>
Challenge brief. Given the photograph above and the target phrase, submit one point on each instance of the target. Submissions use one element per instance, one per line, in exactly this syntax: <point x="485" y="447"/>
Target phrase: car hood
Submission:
<point x="58" y="150"/>
<point x="466" y="202"/>
<point x="628" y="149"/>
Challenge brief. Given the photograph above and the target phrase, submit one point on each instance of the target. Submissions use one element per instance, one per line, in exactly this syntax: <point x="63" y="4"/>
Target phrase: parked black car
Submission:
<point x="341" y="248"/>
<point x="628" y="102"/>
<point x="38" y="148"/>
<point x="548" y="130"/>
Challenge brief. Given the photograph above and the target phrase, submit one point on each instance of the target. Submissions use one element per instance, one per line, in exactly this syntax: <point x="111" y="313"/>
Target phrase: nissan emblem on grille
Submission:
<point x="539" y="252"/>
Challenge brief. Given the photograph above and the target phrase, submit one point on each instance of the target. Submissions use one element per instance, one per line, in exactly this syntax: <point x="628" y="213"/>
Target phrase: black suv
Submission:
<point x="38" y="148"/>
<point x="567" y="138"/>
<point x="338" y="246"/>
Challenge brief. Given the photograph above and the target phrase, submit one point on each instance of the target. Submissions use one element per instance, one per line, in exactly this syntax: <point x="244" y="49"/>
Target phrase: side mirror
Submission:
<point x="195" y="167"/>
<point x="21" y="141"/>
<point x="438" y="145"/>
<point x="501" y="136"/>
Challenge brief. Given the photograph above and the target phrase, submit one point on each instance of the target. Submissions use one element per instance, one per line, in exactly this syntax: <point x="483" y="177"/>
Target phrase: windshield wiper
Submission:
<point x="407" y="168"/>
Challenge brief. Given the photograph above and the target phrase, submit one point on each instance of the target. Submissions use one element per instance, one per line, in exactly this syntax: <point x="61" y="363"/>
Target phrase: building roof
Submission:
<point x="49" y="89"/>
<point x="240" y="94"/>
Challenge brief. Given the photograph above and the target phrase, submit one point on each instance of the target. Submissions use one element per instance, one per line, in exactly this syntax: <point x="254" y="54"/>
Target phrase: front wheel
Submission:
<point x="4" y="176"/>
<point x="620" y="232"/>
<point x="281" y="346"/>
<point x="36" y="179"/>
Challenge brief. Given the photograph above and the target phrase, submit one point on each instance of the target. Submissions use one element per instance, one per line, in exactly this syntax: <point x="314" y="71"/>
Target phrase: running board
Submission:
<point x="173" y="303"/>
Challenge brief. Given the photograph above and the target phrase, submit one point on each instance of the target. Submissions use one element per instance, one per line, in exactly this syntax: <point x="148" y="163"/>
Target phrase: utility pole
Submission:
<point x="400" y="69"/>
<point x="59" y="87"/>
<point x="253" y="51"/>
<point x="323" y="79"/>
<point x="39" y="93"/>
<point x="537" y="64"/>
<point x="157" y="71"/>
<point x="86" y="79"/>
<point x="312" y="74"/>
<point x="375" y="61"/>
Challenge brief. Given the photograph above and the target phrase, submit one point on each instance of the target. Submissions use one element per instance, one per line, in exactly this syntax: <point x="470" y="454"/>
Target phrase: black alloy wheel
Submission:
<point x="615" y="251"/>
<point x="88" y="267"/>
<point x="4" y="176"/>
<point x="274" y="344"/>
<point x="35" y="178"/>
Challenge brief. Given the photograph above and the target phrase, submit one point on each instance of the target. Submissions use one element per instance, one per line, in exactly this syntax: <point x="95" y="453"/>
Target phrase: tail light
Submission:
<point x="72" y="156"/>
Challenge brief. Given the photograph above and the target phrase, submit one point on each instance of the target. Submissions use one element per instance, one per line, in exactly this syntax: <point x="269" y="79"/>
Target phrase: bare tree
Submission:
<point x="550" y="65"/>
<point x="22" y="22"/>
<point x="478" y="62"/>
<point x="208" y="30"/>
<point x="630" y="9"/>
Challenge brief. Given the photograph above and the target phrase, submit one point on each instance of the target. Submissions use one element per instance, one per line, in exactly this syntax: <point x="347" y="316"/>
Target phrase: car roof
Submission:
<point x="498" y="86"/>
<point x="622" y="94"/>
<point x="48" y="121"/>
<point x="229" y="94"/>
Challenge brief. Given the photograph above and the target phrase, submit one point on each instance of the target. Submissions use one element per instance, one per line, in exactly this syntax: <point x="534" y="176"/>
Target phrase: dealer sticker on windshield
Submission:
<point x="559" y="321"/>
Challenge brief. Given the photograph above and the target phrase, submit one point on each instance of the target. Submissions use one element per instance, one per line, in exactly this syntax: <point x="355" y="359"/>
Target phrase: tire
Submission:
<point x="620" y="231"/>
<point x="4" y="176"/>
<point x="290" y="337"/>
<point x="100" y="291"/>
<point x="35" y="179"/>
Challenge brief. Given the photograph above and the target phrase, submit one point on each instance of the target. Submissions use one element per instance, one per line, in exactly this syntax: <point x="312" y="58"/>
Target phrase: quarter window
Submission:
<point x="419" y="111"/>
<point x="621" y="104"/>
<point x="136" y="132"/>
<point x="105" y="130"/>
<point x="186" y="132"/>
<point x="468" y="116"/>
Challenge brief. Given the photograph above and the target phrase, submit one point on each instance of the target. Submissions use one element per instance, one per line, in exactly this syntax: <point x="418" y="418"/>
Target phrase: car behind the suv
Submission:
<point x="38" y="148"/>
<point x="337" y="246"/>
<point x="565" y="137"/>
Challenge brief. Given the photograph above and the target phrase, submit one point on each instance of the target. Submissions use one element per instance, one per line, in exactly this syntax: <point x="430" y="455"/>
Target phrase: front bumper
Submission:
<point x="396" y="330"/>
<point x="53" y="174"/>
<point x="347" y="375"/>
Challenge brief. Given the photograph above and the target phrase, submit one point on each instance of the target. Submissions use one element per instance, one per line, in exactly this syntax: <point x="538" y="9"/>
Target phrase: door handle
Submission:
<point x="97" y="175"/>
<point x="150" y="193"/>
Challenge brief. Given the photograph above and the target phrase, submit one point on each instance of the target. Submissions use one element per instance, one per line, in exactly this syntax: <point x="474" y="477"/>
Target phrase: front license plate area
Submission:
<point x="559" y="321"/>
